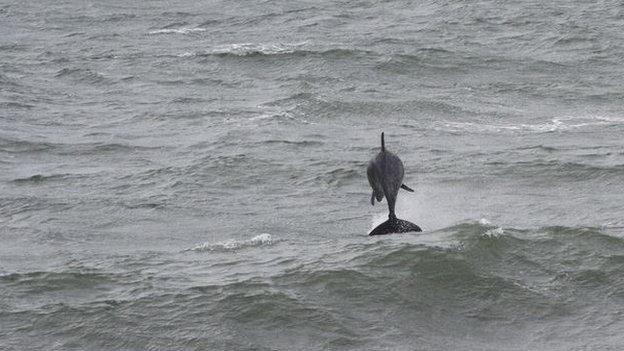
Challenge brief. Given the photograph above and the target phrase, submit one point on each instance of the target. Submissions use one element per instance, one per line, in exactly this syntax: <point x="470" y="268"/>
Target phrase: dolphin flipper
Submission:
<point x="376" y="195"/>
<point x="405" y="187"/>
<point x="395" y="225"/>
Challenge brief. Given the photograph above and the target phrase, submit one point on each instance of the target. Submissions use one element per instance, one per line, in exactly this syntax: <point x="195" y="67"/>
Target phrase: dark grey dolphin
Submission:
<point x="385" y="176"/>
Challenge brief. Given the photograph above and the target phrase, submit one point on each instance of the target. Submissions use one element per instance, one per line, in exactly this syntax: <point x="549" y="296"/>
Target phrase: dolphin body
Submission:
<point x="385" y="176"/>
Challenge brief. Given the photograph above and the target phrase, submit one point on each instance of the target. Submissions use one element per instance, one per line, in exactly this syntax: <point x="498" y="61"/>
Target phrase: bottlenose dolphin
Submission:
<point x="385" y="176"/>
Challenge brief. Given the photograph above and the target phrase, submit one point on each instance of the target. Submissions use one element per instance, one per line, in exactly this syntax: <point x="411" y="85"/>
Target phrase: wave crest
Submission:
<point x="263" y="239"/>
<point x="182" y="30"/>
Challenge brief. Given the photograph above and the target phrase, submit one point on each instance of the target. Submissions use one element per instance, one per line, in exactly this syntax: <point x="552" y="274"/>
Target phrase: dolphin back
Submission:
<point x="392" y="170"/>
<point x="385" y="176"/>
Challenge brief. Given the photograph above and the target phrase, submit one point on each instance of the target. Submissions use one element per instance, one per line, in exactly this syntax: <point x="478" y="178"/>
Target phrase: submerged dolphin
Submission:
<point x="385" y="176"/>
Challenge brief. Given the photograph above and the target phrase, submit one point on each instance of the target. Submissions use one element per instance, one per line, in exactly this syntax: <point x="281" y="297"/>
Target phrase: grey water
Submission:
<point x="191" y="175"/>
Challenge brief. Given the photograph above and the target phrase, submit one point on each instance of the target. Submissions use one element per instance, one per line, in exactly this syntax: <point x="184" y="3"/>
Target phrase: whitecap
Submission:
<point x="244" y="49"/>
<point x="494" y="232"/>
<point x="262" y="239"/>
<point x="232" y="244"/>
<point x="177" y="30"/>
<point x="484" y="221"/>
<point x="554" y="125"/>
<point x="241" y="49"/>
<point x="278" y="116"/>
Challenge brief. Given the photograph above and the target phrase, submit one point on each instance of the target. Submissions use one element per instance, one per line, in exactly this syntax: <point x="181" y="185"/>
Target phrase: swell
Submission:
<point x="315" y="108"/>
<point x="114" y="18"/>
<point x="39" y="178"/>
<point x="294" y="143"/>
<point x="6" y="81"/>
<point x="13" y="145"/>
<point x="44" y="282"/>
<point x="419" y="59"/>
<point x="489" y="279"/>
<point x="573" y="171"/>
<point x="83" y="75"/>
<point x="424" y="58"/>
<point x="248" y="50"/>
<point x="468" y="252"/>
<point x="490" y="275"/>
<point x="567" y="124"/>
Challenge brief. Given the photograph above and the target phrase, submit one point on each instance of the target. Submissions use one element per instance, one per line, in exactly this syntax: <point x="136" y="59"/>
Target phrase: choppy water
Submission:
<point x="186" y="175"/>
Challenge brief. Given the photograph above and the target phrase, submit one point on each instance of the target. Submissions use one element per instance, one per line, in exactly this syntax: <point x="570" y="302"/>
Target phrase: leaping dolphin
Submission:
<point x="385" y="176"/>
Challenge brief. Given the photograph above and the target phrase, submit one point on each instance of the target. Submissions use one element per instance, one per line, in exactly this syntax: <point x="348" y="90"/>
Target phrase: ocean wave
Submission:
<point x="183" y="30"/>
<point x="11" y="145"/>
<point x="558" y="168"/>
<point x="282" y="117"/>
<point x="334" y="177"/>
<point x="480" y="278"/>
<point x="487" y="260"/>
<point x="7" y="81"/>
<point x="12" y="47"/>
<point x="119" y="17"/>
<point x="345" y="290"/>
<point x="246" y="49"/>
<point x="39" y="178"/>
<point x="264" y="239"/>
<point x="277" y="49"/>
<point x="406" y="63"/>
<point x="268" y="307"/>
<point x="15" y="105"/>
<point x="300" y="143"/>
<point x="101" y="18"/>
<point x="19" y="146"/>
<point x="540" y="147"/>
<point x="41" y="281"/>
<point x="554" y="125"/>
<point x="82" y="75"/>
<point x="178" y="14"/>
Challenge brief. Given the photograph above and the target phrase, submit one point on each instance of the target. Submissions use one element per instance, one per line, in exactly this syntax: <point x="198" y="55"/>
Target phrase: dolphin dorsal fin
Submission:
<point x="383" y="144"/>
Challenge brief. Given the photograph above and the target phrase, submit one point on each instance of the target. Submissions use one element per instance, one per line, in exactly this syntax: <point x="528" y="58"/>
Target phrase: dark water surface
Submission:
<point x="188" y="175"/>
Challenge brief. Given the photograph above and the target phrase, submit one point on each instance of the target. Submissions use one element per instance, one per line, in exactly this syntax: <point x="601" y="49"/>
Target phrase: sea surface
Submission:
<point x="191" y="175"/>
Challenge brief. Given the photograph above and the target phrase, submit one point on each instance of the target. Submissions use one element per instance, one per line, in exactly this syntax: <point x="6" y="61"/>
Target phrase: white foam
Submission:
<point x="262" y="239"/>
<point x="262" y="116"/>
<point x="555" y="124"/>
<point x="231" y="245"/>
<point x="484" y="221"/>
<point x="278" y="116"/>
<point x="177" y="30"/>
<point x="494" y="232"/>
<point x="237" y="49"/>
<point x="244" y="49"/>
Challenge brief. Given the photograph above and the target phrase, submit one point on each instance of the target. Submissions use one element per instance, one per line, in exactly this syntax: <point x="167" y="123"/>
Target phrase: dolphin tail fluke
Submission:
<point x="383" y="143"/>
<point x="405" y="187"/>
<point x="395" y="225"/>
